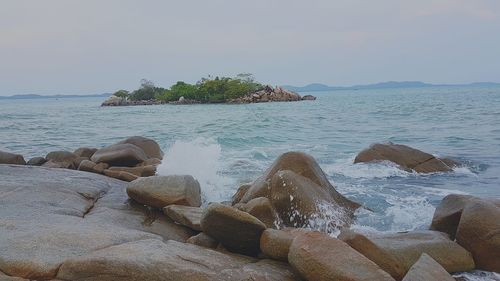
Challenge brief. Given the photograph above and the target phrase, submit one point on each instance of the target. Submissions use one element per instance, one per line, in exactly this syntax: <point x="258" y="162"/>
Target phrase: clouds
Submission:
<point x="95" y="46"/>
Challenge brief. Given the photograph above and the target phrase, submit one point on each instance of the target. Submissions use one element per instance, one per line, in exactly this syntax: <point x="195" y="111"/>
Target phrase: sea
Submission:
<point x="224" y="145"/>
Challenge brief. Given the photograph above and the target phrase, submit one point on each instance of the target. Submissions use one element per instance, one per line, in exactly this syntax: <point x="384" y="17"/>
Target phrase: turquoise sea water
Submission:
<point x="225" y="145"/>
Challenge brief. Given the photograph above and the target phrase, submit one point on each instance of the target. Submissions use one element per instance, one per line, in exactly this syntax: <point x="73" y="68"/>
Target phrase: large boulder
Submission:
<point x="149" y="146"/>
<point x="298" y="181"/>
<point x="141" y="171"/>
<point x="161" y="191"/>
<point x="275" y="243"/>
<point x="36" y="161"/>
<point x="397" y="252"/>
<point x="236" y="230"/>
<point x="50" y="216"/>
<point x="124" y="154"/>
<point x="185" y="215"/>
<point x="319" y="257"/>
<point x="85" y="152"/>
<point x="407" y="158"/>
<point x="61" y="159"/>
<point x="11" y="158"/>
<point x="479" y="232"/>
<point x="262" y="209"/>
<point x="427" y="269"/>
<point x="170" y="261"/>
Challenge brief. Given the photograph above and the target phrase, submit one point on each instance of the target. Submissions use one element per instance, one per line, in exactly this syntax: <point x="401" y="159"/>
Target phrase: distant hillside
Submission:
<point x="316" y="87"/>
<point x="33" y="96"/>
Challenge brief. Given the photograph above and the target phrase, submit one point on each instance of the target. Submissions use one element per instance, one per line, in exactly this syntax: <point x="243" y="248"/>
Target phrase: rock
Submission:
<point x="121" y="175"/>
<point x="100" y="167"/>
<point x="85" y="152"/>
<point x="276" y="243"/>
<point x="239" y="193"/>
<point x="142" y="171"/>
<point x="149" y="146"/>
<point x="154" y="260"/>
<point x="407" y="158"/>
<point x="305" y="178"/>
<point x="267" y="94"/>
<point x="262" y="209"/>
<point x="50" y="216"/>
<point x="238" y="231"/>
<point x="115" y="101"/>
<point x="36" y="161"/>
<point x="4" y="277"/>
<point x="11" y="158"/>
<point x="124" y="154"/>
<point x="479" y="233"/>
<point x="78" y="160"/>
<point x="308" y="97"/>
<point x="201" y="239"/>
<point x="447" y="215"/>
<point x="161" y="191"/>
<point x="60" y="159"/>
<point x="87" y="166"/>
<point x="185" y="215"/>
<point x="150" y="162"/>
<point x="319" y="257"/>
<point x="427" y="269"/>
<point x="396" y="253"/>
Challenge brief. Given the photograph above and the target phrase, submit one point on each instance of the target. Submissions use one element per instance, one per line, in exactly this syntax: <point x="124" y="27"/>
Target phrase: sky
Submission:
<point x="96" y="46"/>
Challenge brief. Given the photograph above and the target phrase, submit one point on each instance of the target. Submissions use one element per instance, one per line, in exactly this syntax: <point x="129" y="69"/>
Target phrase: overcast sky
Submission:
<point x="96" y="46"/>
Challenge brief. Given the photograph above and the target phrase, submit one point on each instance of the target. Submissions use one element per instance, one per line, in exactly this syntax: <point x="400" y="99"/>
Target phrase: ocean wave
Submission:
<point x="347" y="168"/>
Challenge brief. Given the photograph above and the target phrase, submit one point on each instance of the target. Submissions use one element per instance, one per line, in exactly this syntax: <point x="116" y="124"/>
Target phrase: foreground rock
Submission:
<point x="427" y="269"/>
<point x="11" y="158"/>
<point x="396" y="253"/>
<point x="49" y="216"/>
<point x="185" y="215"/>
<point x="407" y="158"/>
<point x="161" y="191"/>
<point x="276" y="243"/>
<point x="202" y="239"/>
<point x="300" y="193"/>
<point x="317" y="256"/>
<point x="236" y="230"/>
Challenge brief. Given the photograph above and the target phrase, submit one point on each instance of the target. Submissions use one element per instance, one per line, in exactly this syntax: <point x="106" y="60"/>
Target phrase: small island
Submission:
<point x="241" y="89"/>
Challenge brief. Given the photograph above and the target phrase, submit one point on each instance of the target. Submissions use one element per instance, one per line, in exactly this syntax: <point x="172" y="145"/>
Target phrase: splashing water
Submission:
<point x="199" y="158"/>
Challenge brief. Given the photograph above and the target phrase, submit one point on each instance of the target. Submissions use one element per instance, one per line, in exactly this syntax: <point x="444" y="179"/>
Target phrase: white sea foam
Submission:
<point x="347" y="168"/>
<point x="477" y="275"/>
<point x="199" y="158"/>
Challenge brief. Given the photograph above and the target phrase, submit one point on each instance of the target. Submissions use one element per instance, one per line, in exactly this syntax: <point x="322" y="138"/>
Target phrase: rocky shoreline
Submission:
<point x="267" y="94"/>
<point x="103" y="214"/>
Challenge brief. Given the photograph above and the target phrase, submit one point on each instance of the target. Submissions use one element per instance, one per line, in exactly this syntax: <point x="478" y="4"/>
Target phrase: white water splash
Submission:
<point x="477" y="275"/>
<point x="199" y="158"/>
<point x="383" y="169"/>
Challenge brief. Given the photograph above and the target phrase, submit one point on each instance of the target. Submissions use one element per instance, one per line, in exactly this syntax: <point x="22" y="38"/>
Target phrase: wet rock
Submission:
<point x="142" y="171"/>
<point x="85" y="152"/>
<point x="36" y="161"/>
<point x="427" y="269"/>
<point x="185" y="215"/>
<point x="239" y="193"/>
<point x="262" y="209"/>
<point x="275" y="243"/>
<point x="202" y="239"/>
<point x="479" y="232"/>
<point x="396" y="253"/>
<point x="238" y="231"/>
<point x="51" y="215"/>
<point x="11" y="158"/>
<point x="121" y="175"/>
<point x="161" y="191"/>
<point x="407" y="158"/>
<point x="149" y="146"/>
<point x="124" y="155"/>
<point x="319" y="257"/>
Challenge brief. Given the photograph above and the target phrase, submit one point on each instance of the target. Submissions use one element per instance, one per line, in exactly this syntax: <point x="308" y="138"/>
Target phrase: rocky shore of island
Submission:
<point x="104" y="214"/>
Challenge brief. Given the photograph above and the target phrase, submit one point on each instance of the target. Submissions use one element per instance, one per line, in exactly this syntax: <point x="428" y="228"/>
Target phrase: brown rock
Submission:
<point x="161" y="191"/>
<point x="185" y="215"/>
<point x="4" y="277"/>
<point x="79" y="160"/>
<point x="85" y="152"/>
<point x="149" y="146"/>
<point x="124" y="176"/>
<point x="396" y="253"/>
<point x="262" y="209"/>
<point x="238" y="231"/>
<point x="406" y="157"/>
<point x="11" y="158"/>
<point x="142" y="171"/>
<point x="100" y="167"/>
<point x="479" y="232"/>
<point x="319" y="257"/>
<point x="150" y="162"/>
<point x="201" y="239"/>
<point x="276" y="243"/>
<point x="120" y="155"/>
<point x="87" y="166"/>
<point x="60" y="159"/>
<point x="239" y="193"/>
<point x="427" y="269"/>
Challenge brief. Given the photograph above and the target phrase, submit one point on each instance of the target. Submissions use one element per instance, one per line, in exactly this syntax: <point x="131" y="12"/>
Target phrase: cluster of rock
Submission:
<point x="271" y="94"/>
<point x="126" y="160"/>
<point x="407" y="158"/>
<point x="122" y="101"/>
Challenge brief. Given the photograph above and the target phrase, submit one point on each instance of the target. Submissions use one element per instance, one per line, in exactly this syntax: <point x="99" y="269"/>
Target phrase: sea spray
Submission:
<point x="200" y="158"/>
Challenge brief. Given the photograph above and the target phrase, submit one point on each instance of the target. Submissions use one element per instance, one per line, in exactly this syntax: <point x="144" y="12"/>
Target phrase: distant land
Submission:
<point x="33" y="96"/>
<point x="317" y="87"/>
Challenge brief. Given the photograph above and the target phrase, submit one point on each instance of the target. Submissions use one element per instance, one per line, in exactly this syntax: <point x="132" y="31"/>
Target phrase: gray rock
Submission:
<point x="202" y="239"/>
<point x="36" y="161"/>
<point x="427" y="269"/>
<point x="149" y="146"/>
<point x="85" y="152"/>
<point x="161" y="191"/>
<point x="11" y="158"/>
<point x="185" y="215"/>
<point x="61" y="159"/>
